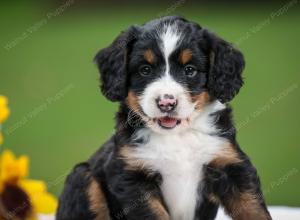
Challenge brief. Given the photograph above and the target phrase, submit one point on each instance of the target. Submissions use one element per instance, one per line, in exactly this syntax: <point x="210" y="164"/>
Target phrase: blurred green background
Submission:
<point x="59" y="118"/>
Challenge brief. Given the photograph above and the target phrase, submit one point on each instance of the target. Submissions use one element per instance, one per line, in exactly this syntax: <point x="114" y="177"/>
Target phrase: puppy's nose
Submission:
<point x="167" y="103"/>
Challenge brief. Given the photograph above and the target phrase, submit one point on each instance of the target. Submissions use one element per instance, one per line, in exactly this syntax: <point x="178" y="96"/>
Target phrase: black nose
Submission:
<point x="167" y="103"/>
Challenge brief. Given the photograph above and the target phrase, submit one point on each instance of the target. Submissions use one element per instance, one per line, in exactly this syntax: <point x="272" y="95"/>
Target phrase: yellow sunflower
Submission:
<point x="22" y="198"/>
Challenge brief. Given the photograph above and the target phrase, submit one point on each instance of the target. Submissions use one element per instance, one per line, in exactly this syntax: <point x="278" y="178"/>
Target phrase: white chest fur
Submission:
<point x="179" y="158"/>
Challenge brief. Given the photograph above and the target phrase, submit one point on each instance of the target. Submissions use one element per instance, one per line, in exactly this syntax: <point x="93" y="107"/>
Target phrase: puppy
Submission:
<point x="174" y="155"/>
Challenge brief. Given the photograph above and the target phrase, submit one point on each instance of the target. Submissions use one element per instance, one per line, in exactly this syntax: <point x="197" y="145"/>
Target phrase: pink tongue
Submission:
<point x="168" y="122"/>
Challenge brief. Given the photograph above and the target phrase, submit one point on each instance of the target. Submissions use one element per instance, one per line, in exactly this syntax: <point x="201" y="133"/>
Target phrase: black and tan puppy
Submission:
<point x="174" y="155"/>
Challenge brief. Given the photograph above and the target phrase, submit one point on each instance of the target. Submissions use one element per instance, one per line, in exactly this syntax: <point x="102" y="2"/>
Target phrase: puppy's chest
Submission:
<point x="180" y="159"/>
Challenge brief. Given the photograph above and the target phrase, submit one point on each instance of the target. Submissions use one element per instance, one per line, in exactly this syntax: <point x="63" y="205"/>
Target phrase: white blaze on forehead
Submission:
<point x="170" y="37"/>
<point x="166" y="84"/>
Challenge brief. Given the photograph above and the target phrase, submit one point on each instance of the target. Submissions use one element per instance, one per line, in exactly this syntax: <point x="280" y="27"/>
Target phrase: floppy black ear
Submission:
<point x="112" y="64"/>
<point x="226" y="66"/>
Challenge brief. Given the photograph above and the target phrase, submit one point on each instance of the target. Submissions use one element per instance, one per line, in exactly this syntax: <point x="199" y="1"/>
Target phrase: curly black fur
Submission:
<point x="112" y="62"/>
<point x="227" y="64"/>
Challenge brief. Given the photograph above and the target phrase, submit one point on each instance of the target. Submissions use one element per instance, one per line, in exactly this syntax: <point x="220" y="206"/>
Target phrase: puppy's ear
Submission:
<point x="112" y="64"/>
<point x="226" y="66"/>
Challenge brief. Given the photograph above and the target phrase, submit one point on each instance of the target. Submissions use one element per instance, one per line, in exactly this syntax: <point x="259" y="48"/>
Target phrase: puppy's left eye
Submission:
<point x="190" y="71"/>
<point x="145" y="70"/>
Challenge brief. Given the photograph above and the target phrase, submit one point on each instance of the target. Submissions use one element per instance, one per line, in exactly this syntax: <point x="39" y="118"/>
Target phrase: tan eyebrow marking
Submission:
<point x="185" y="56"/>
<point x="149" y="56"/>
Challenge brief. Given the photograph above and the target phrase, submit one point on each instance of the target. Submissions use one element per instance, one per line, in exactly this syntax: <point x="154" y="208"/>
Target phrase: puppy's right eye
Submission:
<point x="145" y="70"/>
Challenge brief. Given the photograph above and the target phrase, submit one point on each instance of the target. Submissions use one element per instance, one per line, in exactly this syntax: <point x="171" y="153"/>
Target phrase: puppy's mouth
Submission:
<point x="168" y="122"/>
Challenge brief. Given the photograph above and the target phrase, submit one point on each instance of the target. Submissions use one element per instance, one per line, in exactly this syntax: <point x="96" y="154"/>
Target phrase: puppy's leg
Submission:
<point x="82" y="197"/>
<point x="133" y="191"/>
<point x="236" y="186"/>
<point x="138" y="195"/>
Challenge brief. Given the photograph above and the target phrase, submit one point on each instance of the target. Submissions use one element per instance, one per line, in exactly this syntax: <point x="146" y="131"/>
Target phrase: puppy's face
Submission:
<point x="168" y="70"/>
<point x="167" y="77"/>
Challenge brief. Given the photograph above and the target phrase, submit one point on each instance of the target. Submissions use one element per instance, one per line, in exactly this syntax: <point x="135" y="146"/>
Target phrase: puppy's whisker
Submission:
<point x="133" y="119"/>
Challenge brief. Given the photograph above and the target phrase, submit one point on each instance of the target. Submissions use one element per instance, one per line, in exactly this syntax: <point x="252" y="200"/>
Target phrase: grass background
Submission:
<point x="59" y="118"/>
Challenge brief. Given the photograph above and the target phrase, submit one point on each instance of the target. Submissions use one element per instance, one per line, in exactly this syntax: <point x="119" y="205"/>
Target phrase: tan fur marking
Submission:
<point x="185" y="56"/>
<point x="133" y="101"/>
<point x="228" y="155"/>
<point x="133" y="104"/>
<point x="149" y="56"/>
<point x="97" y="201"/>
<point x="158" y="209"/>
<point x="201" y="100"/>
<point x="245" y="206"/>
<point x="131" y="163"/>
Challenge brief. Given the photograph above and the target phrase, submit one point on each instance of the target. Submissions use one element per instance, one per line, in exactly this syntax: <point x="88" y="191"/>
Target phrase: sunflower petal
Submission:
<point x="44" y="203"/>
<point x="12" y="169"/>
<point x="33" y="187"/>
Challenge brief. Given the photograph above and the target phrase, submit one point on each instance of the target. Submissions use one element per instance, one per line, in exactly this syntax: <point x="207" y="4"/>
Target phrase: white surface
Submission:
<point x="277" y="212"/>
<point x="46" y="217"/>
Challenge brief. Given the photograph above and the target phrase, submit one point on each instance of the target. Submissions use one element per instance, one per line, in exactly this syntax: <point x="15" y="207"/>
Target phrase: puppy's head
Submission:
<point x="168" y="70"/>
